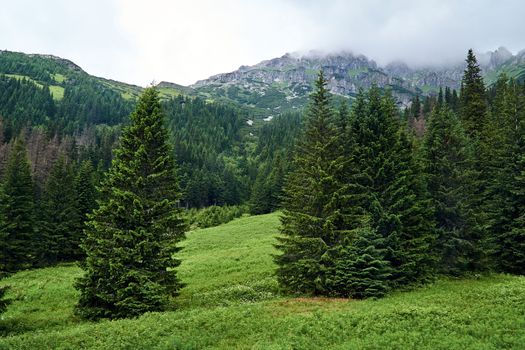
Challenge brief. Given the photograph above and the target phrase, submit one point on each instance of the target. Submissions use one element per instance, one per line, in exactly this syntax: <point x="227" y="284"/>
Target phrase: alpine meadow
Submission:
<point x="316" y="200"/>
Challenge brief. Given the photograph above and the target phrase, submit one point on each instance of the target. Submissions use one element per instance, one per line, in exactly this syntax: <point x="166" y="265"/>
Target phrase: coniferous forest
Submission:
<point x="373" y="196"/>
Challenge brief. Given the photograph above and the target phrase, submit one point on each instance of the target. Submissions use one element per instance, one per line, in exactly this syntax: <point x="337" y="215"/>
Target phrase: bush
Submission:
<point x="213" y="216"/>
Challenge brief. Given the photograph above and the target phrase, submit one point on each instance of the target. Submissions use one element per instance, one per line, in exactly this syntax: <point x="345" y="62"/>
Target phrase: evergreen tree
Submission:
<point x="132" y="236"/>
<point x="473" y="97"/>
<point x="389" y="187"/>
<point x="3" y="252"/>
<point x="507" y="198"/>
<point x="18" y="229"/>
<point x="314" y="218"/>
<point x="361" y="269"/>
<point x="60" y="215"/>
<point x="86" y="191"/>
<point x="448" y="158"/>
<point x="511" y="252"/>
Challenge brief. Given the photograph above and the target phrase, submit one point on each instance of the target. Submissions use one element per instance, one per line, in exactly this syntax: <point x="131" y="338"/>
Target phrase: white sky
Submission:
<point x="182" y="41"/>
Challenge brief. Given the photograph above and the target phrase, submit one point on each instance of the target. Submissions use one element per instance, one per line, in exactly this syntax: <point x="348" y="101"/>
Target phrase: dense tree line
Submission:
<point x="370" y="206"/>
<point x="43" y="225"/>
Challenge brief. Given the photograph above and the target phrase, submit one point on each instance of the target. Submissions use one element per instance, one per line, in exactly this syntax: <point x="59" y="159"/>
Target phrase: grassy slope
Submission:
<point x="231" y="302"/>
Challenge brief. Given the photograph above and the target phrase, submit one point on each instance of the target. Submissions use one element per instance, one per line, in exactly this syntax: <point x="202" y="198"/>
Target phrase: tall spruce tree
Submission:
<point x="18" y="229"/>
<point x="508" y="204"/>
<point x="473" y="97"/>
<point x="132" y="236"/>
<point x="314" y="217"/>
<point x="390" y="186"/>
<point x="86" y="191"/>
<point x="60" y="215"/>
<point x="448" y="159"/>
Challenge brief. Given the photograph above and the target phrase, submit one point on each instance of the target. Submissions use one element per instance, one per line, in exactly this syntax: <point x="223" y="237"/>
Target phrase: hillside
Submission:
<point x="231" y="301"/>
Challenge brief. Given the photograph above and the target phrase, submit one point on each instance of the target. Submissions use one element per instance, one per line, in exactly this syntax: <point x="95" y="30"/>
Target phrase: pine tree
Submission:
<point x="508" y="195"/>
<point x="314" y="218"/>
<point x="448" y="159"/>
<point x="60" y="222"/>
<point x="511" y="252"/>
<point x="132" y="236"/>
<point x="18" y="229"/>
<point x="473" y="97"/>
<point x="389" y="187"/>
<point x="361" y="268"/>
<point x="3" y="251"/>
<point x="86" y="192"/>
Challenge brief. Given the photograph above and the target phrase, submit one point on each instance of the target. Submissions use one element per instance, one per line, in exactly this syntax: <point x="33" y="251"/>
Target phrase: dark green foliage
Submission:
<point x="511" y="249"/>
<point x="314" y="211"/>
<point x="18" y="227"/>
<point x="389" y="186"/>
<point x="85" y="190"/>
<point x="274" y="154"/>
<point x="213" y="216"/>
<point x="448" y="158"/>
<point x="473" y="98"/>
<point x="505" y="149"/>
<point x="361" y="268"/>
<point x="60" y="227"/>
<point x="22" y="103"/>
<point x="132" y="236"/>
<point x="207" y="140"/>
<point x="267" y="190"/>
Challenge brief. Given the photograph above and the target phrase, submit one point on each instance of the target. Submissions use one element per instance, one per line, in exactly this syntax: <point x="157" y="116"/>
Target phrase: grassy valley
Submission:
<point x="232" y="301"/>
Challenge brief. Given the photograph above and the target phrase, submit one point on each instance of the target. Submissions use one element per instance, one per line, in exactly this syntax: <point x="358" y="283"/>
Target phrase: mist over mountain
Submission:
<point x="284" y="83"/>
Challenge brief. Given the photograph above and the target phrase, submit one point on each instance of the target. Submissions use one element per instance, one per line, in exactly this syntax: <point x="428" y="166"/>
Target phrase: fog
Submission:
<point x="183" y="41"/>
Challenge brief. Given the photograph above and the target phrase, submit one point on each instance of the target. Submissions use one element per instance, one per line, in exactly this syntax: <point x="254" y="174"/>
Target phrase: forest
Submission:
<point x="372" y="197"/>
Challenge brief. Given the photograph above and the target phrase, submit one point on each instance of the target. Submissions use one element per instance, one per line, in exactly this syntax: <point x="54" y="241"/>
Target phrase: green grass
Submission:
<point x="24" y="77"/>
<point x="231" y="301"/>
<point x="57" y="92"/>
<point x="59" y="78"/>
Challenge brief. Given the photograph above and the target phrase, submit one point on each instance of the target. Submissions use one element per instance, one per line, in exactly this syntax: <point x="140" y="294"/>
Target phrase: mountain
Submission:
<point x="283" y="83"/>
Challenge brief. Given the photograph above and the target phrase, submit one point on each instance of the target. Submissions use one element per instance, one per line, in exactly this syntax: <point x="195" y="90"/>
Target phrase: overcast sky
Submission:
<point x="182" y="41"/>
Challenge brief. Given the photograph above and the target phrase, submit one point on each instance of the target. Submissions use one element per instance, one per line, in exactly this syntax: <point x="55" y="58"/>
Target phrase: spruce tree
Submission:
<point x="60" y="215"/>
<point x="472" y="97"/>
<point x="86" y="192"/>
<point x="18" y="228"/>
<point x="389" y="187"/>
<point x="314" y="217"/>
<point x="361" y="268"/>
<point x="132" y="236"/>
<point x="448" y="159"/>
<point x="508" y="201"/>
<point x="511" y="247"/>
<point x="3" y="252"/>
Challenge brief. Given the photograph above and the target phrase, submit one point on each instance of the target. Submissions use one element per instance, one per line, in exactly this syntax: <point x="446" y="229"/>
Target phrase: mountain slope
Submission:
<point x="283" y="83"/>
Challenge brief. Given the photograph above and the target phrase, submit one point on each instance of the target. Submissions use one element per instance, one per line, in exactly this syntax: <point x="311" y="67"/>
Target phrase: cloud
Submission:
<point x="182" y="41"/>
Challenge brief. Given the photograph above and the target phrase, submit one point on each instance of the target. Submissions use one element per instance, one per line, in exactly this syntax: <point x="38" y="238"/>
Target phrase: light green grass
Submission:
<point x="57" y="92"/>
<point x="24" y="77"/>
<point x="231" y="302"/>
<point x="59" y="78"/>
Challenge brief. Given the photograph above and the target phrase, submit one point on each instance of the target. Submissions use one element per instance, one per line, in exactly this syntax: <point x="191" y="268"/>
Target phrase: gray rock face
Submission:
<point x="287" y="80"/>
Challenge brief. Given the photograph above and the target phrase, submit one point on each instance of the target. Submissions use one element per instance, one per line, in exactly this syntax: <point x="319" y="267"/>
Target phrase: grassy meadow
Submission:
<point x="231" y="301"/>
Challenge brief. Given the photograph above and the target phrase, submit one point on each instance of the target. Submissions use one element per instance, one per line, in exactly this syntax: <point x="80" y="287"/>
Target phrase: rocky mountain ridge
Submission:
<point x="284" y="83"/>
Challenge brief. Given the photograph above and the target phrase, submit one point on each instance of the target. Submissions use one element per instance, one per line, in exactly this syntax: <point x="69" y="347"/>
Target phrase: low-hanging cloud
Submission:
<point x="182" y="41"/>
